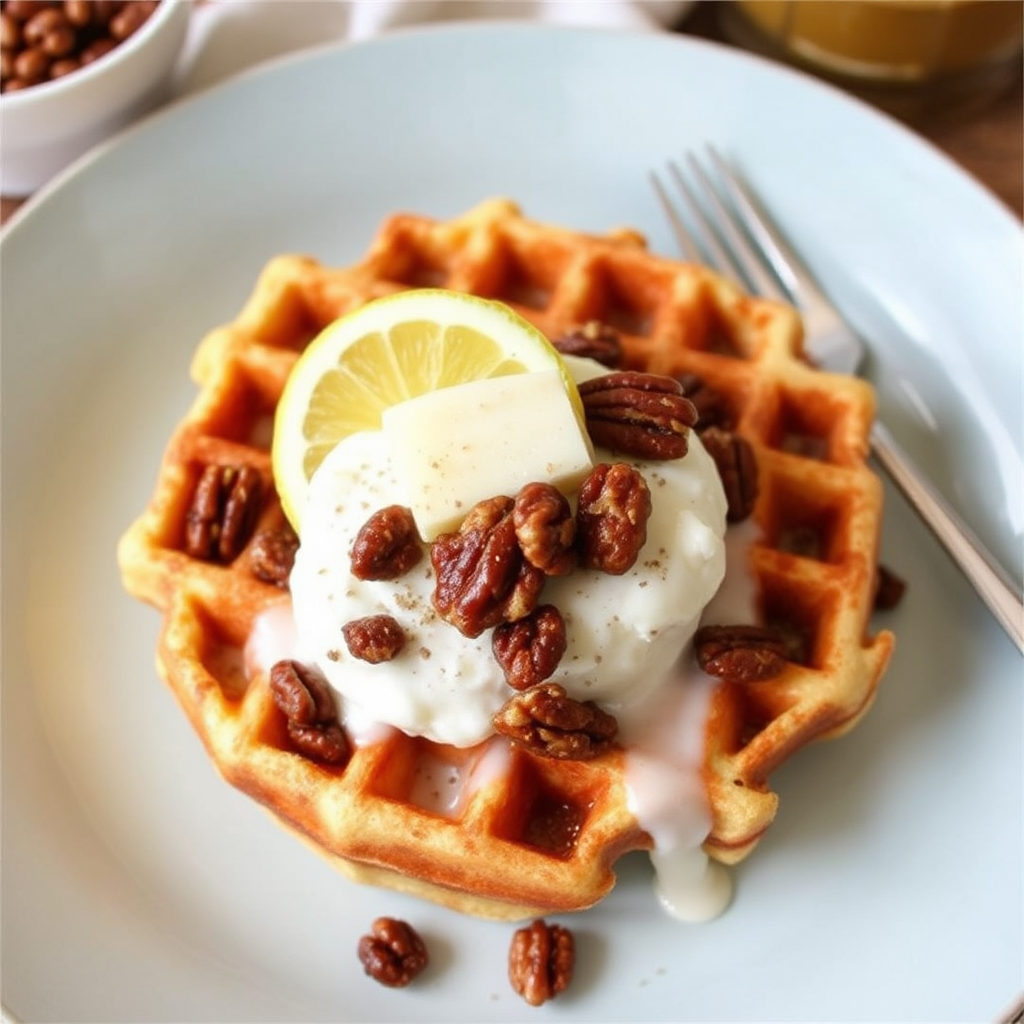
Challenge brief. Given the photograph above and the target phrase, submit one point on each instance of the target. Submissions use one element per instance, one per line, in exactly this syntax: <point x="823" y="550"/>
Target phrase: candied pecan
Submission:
<point x="711" y="408"/>
<point x="737" y="466"/>
<point x="305" y="699"/>
<point x="481" y="576"/>
<point x="387" y="545"/>
<point x="644" y="415"/>
<point x="545" y="529"/>
<point x="225" y="507"/>
<point x="374" y="638"/>
<point x="889" y="589"/>
<point x="592" y="340"/>
<point x="541" y="960"/>
<point x="745" y="654"/>
<point x="529" y="650"/>
<point x="393" y="952"/>
<point x="272" y="555"/>
<point x="611" y="517"/>
<point x="547" y="721"/>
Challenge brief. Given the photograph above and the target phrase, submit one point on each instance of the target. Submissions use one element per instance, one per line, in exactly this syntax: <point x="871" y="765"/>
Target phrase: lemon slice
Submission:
<point x="385" y="352"/>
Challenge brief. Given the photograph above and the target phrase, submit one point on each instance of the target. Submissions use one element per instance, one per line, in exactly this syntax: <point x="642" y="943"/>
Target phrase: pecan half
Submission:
<point x="393" y="952"/>
<point x="592" y="340"/>
<point x="529" y="650"/>
<point x="737" y="466"/>
<point x="272" y="555"/>
<point x="541" y="961"/>
<point x="547" y="721"/>
<point x="640" y="414"/>
<point x="889" y="589"/>
<point x="307" y="702"/>
<point x="611" y="517"/>
<point x="481" y="576"/>
<point x="225" y="507"/>
<point x="545" y="528"/>
<point x="744" y="654"/>
<point x="387" y="545"/>
<point x="374" y="638"/>
<point x="711" y="408"/>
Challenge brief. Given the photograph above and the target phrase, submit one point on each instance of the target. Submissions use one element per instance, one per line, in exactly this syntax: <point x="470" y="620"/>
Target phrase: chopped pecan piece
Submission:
<point x="225" y="507"/>
<point x="541" y="961"/>
<point x="547" y="721"/>
<point x="644" y="415"/>
<point x="307" y="702"/>
<point x="744" y="654"/>
<point x="737" y="466"/>
<point x="481" y="576"/>
<point x="592" y="340"/>
<point x="889" y="589"/>
<point x="545" y="528"/>
<point x="272" y="555"/>
<point x="393" y="952"/>
<point x="374" y="638"/>
<point x="611" y="518"/>
<point x="529" y="650"/>
<point x="387" y="545"/>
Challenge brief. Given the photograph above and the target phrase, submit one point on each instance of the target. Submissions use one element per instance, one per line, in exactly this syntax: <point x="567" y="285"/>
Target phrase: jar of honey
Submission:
<point x="911" y="56"/>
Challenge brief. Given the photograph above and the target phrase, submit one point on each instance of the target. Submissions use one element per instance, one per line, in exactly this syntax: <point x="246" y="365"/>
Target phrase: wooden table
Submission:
<point x="988" y="145"/>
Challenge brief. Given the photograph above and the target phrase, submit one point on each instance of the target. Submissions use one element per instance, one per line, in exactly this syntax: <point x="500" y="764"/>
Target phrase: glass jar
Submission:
<point x="910" y="56"/>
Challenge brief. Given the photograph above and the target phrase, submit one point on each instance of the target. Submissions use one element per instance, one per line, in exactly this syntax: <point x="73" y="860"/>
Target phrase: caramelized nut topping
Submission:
<point x="481" y="576"/>
<point x="387" y="545"/>
<point x="374" y="638"/>
<point x="711" y="409"/>
<point x="644" y="415"/>
<point x="611" y="518"/>
<point x="744" y="654"/>
<point x="592" y="340"/>
<point x="307" y="702"/>
<point x="737" y="466"/>
<point x="541" y="961"/>
<point x="393" y="952"/>
<point x="225" y="507"/>
<point x="272" y="555"/>
<point x="545" y="528"/>
<point x="547" y="721"/>
<point x="529" y="650"/>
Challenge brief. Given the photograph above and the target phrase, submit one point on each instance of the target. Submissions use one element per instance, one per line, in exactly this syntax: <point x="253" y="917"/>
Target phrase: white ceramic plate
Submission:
<point x="138" y="886"/>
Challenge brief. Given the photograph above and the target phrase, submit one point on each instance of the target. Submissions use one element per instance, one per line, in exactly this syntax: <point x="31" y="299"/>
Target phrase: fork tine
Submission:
<point x="745" y="256"/>
<point x="795" y="276"/>
<point x="678" y="227"/>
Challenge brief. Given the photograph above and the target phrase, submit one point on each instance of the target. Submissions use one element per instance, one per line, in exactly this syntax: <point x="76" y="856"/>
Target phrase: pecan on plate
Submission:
<point x="225" y="507"/>
<point x="744" y="654"/>
<point x="393" y="952"/>
<point x="272" y="555"/>
<point x="547" y="721"/>
<point x="541" y="961"/>
<point x="545" y="528"/>
<point x="374" y="638"/>
<point x="592" y="340"/>
<point x="889" y="589"/>
<point x="644" y="415"/>
<point x="611" y="517"/>
<point x="387" y="545"/>
<point x="307" y="702"/>
<point x="737" y="466"/>
<point x="481" y="576"/>
<point x="530" y="649"/>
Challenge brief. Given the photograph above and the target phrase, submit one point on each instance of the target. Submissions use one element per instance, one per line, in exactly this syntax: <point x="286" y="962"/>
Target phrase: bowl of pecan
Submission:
<point x="74" y="72"/>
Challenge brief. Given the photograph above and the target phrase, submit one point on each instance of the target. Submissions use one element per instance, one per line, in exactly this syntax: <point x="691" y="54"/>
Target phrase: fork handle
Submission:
<point x="988" y="578"/>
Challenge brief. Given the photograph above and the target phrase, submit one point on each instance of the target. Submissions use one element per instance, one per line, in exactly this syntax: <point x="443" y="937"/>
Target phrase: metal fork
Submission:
<point x="739" y="242"/>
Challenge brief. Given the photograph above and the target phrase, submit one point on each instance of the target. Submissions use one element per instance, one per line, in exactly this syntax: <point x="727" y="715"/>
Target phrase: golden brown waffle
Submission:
<point x="544" y="836"/>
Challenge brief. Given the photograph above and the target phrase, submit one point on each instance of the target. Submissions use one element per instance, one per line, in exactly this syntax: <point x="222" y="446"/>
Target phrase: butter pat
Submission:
<point x="454" y="447"/>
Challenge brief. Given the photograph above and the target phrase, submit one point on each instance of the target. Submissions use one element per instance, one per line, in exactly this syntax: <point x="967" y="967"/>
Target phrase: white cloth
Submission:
<point x="229" y="36"/>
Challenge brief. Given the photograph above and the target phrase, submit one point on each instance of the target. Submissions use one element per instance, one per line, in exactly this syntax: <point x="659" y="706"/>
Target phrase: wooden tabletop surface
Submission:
<point x="989" y="144"/>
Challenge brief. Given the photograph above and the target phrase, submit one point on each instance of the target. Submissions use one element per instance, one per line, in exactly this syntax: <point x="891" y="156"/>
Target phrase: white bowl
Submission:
<point x="46" y="126"/>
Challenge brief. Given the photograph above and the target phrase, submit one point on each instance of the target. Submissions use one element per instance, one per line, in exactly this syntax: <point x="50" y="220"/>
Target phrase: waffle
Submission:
<point x="542" y="836"/>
